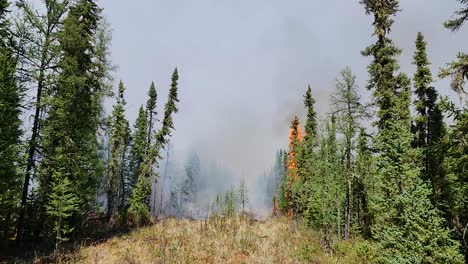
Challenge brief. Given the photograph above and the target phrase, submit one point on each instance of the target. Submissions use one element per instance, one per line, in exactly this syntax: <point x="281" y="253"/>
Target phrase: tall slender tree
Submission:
<point x="151" y="110"/>
<point x="37" y="31"/>
<point x="139" y="201"/>
<point x="349" y="109"/>
<point x="398" y="218"/>
<point x="70" y="132"/>
<point x="139" y="146"/>
<point x="429" y="127"/>
<point x="118" y="138"/>
<point x="9" y="124"/>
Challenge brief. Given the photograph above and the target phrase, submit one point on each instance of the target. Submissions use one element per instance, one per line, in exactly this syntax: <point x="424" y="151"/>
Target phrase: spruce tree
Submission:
<point x="151" y="110"/>
<point x="9" y="125"/>
<point x="62" y="204"/>
<point x="429" y="128"/>
<point x="118" y="137"/>
<point x="363" y="183"/>
<point x="139" y="201"/>
<point x="310" y="137"/>
<point x="457" y="70"/>
<point x="401" y="207"/>
<point x="70" y="131"/>
<point x="139" y="146"/>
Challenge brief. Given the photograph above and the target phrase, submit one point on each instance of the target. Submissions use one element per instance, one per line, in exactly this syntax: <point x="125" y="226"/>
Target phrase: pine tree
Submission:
<point x="401" y="206"/>
<point x="70" y="131"/>
<point x="151" y="110"/>
<point x="139" y="201"/>
<point x="9" y="125"/>
<point x="118" y="138"/>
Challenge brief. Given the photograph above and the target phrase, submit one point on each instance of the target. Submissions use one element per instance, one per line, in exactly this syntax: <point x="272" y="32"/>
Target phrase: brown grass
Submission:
<point x="218" y="240"/>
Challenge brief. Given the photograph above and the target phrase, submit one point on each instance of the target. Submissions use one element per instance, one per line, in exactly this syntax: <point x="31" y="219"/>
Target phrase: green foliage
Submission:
<point x="400" y="206"/>
<point x="63" y="203"/>
<point x="139" y="200"/>
<point x="70" y="145"/>
<point x="119" y="136"/>
<point x="230" y="202"/>
<point x="151" y="110"/>
<point x="460" y="18"/>
<point x="139" y="146"/>
<point x="9" y="126"/>
<point x="243" y="194"/>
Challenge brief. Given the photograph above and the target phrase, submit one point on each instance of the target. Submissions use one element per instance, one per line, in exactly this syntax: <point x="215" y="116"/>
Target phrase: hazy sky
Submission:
<point x="244" y="64"/>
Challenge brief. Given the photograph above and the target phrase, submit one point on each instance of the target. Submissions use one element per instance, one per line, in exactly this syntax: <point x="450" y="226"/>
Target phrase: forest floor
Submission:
<point x="237" y="239"/>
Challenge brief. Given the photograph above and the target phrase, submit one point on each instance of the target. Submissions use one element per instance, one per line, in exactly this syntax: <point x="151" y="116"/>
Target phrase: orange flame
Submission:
<point x="295" y="136"/>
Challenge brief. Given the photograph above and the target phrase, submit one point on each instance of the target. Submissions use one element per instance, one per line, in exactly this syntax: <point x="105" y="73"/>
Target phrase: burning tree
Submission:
<point x="295" y="139"/>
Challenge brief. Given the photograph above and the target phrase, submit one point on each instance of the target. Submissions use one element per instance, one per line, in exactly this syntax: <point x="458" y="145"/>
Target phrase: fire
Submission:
<point x="295" y="137"/>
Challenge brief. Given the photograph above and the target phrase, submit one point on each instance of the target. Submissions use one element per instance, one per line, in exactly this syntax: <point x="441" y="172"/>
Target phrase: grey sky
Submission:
<point x="245" y="64"/>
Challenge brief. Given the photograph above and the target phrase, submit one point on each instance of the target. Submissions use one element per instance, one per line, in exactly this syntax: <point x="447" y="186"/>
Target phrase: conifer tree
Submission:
<point x="243" y="197"/>
<point x="430" y="126"/>
<point x="118" y="138"/>
<point x="457" y="70"/>
<point x="151" y="110"/>
<point x="63" y="203"/>
<point x="139" y="201"/>
<point x="310" y="137"/>
<point x="401" y="206"/>
<point x="363" y="183"/>
<point x="348" y="108"/>
<point x="38" y="54"/>
<point x="70" y="131"/>
<point x="9" y="125"/>
<point x="139" y="146"/>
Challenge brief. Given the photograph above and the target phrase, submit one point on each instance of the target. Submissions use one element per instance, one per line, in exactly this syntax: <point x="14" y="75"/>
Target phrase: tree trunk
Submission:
<point x="31" y="152"/>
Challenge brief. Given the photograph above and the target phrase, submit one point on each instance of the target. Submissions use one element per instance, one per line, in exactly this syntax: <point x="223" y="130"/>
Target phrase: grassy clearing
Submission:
<point x="237" y="239"/>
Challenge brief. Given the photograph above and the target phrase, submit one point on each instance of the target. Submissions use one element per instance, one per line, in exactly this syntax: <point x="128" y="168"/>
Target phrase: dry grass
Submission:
<point x="219" y="240"/>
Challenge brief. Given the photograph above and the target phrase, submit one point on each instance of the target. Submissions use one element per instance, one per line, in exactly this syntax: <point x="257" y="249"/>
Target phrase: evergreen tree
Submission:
<point x="70" y="131"/>
<point x="324" y="204"/>
<point x="118" y="138"/>
<point x="9" y="125"/>
<point x="305" y="153"/>
<point x="430" y="126"/>
<point x="151" y="110"/>
<point x="63" y="203"/>
<point x="461" y="16"/>
<point x="347" y="105"/>
<point x="363" y="184"/>
<point x="139" y="146"/>
<point x="401" y="206"/>
<point x="139" y="201"/>
<point x="457" y="70"/>
<point x="243" y="197"/>
<point x="190" y="184"/>
<point x="38" y="54"/>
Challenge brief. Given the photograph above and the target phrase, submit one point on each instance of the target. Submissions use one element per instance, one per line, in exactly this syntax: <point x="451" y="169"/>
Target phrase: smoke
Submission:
<point x="244" y="67"/>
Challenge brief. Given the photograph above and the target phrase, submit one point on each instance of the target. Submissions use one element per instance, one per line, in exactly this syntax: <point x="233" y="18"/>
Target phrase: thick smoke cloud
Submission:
<point x="244" y="66"/>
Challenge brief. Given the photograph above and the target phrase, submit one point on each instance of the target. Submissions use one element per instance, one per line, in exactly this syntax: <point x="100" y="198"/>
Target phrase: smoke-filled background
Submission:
<point x="244" y="66"/>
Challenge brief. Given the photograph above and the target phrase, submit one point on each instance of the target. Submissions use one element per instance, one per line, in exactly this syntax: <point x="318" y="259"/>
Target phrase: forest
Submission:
<point x="386" y="174"/>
